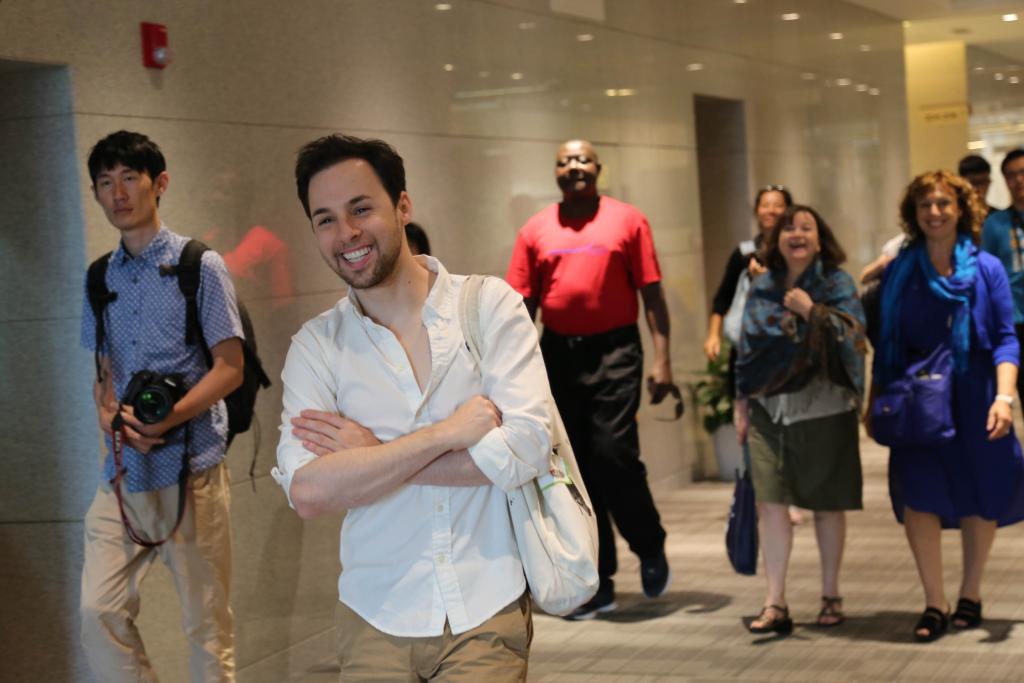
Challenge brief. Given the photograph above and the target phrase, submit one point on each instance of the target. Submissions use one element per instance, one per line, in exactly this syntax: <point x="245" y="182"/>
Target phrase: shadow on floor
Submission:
<point x="898" y="627"/>
<point x="635" y="607"/>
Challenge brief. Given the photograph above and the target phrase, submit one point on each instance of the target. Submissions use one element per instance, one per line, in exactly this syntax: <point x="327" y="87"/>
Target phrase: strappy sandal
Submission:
<point x="968" y="613"/>
<point x="779" y="623"/>
<point x="933" y="622"/>
<point x="831" y="613"/>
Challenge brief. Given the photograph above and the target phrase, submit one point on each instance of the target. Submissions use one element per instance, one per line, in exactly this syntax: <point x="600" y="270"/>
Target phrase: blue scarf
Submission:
<point x="780" y="352"/>
<point x="957" y="288"/>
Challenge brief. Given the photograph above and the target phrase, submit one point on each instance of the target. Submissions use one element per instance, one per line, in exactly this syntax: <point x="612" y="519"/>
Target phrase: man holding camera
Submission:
<point x="160" y="405"/>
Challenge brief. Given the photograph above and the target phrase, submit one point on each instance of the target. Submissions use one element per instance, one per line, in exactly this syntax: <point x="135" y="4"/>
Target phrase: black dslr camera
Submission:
<point x="153" y="394"/>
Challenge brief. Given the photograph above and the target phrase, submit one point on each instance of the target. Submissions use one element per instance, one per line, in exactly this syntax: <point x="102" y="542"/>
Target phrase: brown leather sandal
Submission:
<point x="831" y="613"/>
<point x="773" y="618"/>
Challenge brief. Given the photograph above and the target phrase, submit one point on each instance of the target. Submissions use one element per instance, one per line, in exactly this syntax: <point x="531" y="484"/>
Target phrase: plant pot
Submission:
<point x="728" y="452"/>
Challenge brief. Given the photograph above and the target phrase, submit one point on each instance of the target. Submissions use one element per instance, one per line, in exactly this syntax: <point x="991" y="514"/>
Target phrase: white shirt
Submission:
<point x="424" y="554"/>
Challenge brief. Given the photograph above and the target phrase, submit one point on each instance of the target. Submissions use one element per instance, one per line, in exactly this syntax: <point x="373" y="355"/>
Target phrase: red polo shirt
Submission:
<point x="585" y="272"/>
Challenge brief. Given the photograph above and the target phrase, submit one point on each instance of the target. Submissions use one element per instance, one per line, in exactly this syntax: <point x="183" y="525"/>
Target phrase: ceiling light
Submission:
<point x="979" y="69"/>
<point x="1010" y="17"/>
<point x="516" y="76"/>
<point x="739" y="2"/>
<point x="976" y="144"/>
<point x="790" y="16"/>
<point x="443" y="6"/>
<point x="874" y="91"/>
<point x="836" y="36"/>
<point x="807" y="76"/>
<point x="449" y="67"/>
<point x="585" y="37"/>
<point x="864" y="48"/>
<point x="696" y="66"/>
<point x="843" y="82"/>
<point x="1014" y="79"/>
<point x="527" y="25"/>
<point x="611" y="92"/>
<point x="998" y="77"/>
<point x="626" y="92"/>
<point x="861" y="87"/>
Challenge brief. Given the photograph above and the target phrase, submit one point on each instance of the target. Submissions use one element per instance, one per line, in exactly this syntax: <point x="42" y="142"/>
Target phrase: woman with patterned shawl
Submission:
<point x="942" y="291"/>
<point x="800" y="378"/>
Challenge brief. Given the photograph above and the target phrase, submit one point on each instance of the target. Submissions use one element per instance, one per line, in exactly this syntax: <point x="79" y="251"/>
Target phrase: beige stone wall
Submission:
<point x="252" y="81"/>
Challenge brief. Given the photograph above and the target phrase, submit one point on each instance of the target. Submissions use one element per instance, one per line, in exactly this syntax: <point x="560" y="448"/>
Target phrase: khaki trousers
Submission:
<point x="199" y="557"/>
<point x="495" y="652"/>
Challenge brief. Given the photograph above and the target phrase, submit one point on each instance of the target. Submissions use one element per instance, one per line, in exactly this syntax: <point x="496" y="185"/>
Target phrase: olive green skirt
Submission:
<point x="813" y="464"/>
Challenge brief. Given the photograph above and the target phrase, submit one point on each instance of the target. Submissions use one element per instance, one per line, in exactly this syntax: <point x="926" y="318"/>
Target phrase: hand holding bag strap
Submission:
<point x="555" y="530"/>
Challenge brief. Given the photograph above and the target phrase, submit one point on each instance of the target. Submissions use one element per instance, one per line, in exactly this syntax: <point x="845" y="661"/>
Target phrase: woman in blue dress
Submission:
<point x="942" y="291"/>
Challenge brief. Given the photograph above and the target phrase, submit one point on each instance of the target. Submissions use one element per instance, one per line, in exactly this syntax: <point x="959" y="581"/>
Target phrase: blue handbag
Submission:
<point x="917" y="408"/>
<point x="741" y="530"/>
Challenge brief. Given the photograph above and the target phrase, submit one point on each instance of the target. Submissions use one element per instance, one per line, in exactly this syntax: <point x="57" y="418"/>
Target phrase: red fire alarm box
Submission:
<point x="155" y="52"/>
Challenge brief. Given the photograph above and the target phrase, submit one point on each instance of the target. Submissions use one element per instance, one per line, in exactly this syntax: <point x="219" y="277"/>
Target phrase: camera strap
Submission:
<point x="118" y="436"/>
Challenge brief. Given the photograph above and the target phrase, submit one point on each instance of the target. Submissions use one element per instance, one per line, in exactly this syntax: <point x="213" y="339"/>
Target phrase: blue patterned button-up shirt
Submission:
<point x="145" y="330"/>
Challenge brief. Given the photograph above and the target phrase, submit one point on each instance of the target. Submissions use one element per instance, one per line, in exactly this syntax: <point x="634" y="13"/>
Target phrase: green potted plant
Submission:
<point x="715" y="405"/>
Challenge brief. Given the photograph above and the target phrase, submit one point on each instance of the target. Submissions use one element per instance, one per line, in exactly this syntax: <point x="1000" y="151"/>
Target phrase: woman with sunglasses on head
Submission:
<point x="799" y="381"/>
<point x="947" y="312"/>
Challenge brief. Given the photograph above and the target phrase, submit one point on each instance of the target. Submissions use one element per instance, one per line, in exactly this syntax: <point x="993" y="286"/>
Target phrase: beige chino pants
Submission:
<point x="199" y="557"/>
<point x="494" y="652"/>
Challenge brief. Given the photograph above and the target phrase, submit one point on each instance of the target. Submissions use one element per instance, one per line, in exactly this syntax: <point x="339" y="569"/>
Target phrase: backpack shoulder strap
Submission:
<point x="469" y="315"/>
<point x="99" y="297"/>
<point x="188" y="271"/>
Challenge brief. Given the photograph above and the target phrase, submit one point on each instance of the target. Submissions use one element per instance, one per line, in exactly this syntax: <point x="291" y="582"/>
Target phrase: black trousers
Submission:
<point x="596" y="381"/>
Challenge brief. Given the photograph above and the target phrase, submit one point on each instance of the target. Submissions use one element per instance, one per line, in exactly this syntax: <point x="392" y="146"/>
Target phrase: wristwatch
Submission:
<point x="1006" y="398"/>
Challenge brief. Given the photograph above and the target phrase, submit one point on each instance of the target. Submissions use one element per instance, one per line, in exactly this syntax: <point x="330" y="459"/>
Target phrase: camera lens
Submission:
<point x="152" y="405"/>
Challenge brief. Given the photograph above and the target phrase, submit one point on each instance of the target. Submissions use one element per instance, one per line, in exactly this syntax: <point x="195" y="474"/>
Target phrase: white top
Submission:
<point x="424" y="554"/>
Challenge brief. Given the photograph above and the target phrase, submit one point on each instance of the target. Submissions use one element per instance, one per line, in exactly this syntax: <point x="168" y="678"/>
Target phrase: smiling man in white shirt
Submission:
<point x="386" y="415"/>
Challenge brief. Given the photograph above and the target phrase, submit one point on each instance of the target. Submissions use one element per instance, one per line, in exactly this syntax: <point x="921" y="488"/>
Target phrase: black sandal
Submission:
<point x="968" y="613"/>
<point x="780" y="623"/>
<point x="934" y="622"/>
<point x="831" y="608"/>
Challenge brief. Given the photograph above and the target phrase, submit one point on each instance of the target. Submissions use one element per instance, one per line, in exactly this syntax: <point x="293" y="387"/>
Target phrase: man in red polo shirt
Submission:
<point x="582" y="262"/>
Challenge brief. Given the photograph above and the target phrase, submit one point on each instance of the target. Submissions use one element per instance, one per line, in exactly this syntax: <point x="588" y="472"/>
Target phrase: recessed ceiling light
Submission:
<point x="998" y="77"/>
<point x="836" y="36"/>
<point x="443" y="6"/>
<point x="626" y="92"/>
<point x="696" y="66"/>
<point x="861" y="87"/>
<point x="739" y="2"/>
<point x="790" y="16"/>
<point x="1010" y="17"/>
<point x="527" y="25"/>
<point x="807" y="76"/>
<point x="585" y="37"/>
<point x="843" y="82"/>
<point x="976" y="144"/>
<point x="611" y="92"/>
<point x="516" y="76"/>
<point x="864" y="48"/>
<point x="1014" y="79"/>
<point x="449" y="67"/>
<point x="979" y="69"/>
<point x="874" y="91"/>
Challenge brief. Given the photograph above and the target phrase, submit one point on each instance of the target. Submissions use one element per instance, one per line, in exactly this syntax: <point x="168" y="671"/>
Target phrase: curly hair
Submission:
<point x="972" y="211"/>
<point x="832" y="255"/>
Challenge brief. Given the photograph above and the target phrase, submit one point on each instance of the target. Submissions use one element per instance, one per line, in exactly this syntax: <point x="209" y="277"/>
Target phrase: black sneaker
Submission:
<point x="602" y="603"/>
<point x="655" y="575"/>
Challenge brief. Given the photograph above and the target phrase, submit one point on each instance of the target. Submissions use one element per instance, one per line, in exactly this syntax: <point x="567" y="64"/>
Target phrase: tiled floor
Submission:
<point x="695" y="632"/>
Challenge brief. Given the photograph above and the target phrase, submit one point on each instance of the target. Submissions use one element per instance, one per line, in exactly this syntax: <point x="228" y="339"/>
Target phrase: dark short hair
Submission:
<point x="1010" y="157"/>
<point x="132" y="150"/>
<point x="327" y="151"/>
<point x="972" y="164"/>
<point x="781" y="189"/>
<point x="416" y="236"/>
<point x="972" y="210"/>
<point x="832" y="255"/>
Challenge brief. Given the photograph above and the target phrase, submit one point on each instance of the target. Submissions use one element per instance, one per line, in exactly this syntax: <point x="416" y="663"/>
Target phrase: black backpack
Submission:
<point x="241" y="402"/>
